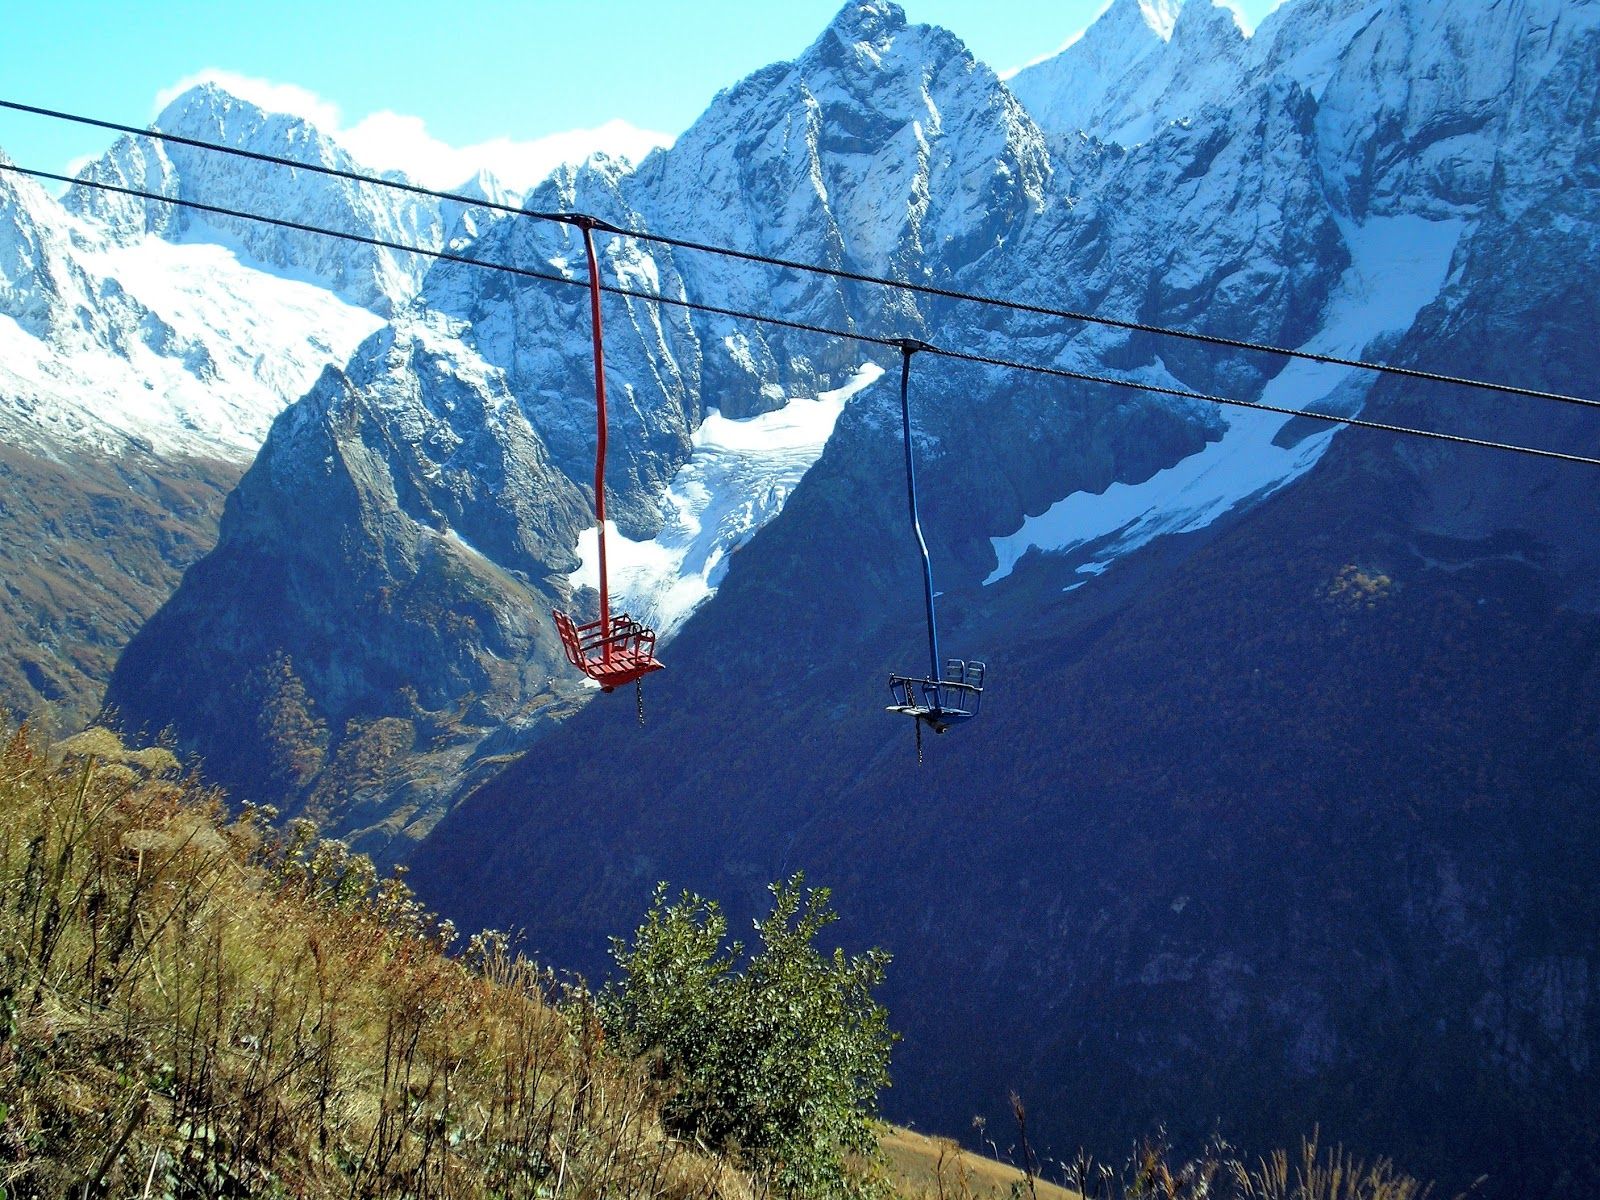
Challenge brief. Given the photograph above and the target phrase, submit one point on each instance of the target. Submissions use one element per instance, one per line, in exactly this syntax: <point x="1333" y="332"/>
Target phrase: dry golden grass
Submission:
<point x="926" y="1168"/>
<point x="192" y="1006"/>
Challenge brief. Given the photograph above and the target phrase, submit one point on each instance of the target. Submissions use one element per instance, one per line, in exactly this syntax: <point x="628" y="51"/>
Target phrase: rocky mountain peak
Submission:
<point x="486" y="185"/>
<point x="866" y="22"/>
<point x="1132" y="24"/>
<point x="373" y="278"/>
<point x="850" y="130"/>
<point x="21" y="198"/>
<point x="32" y="256"/>
<point x="211" y="113"/>
<point x="1206" y="26"/>
<point x="1159" y="16"/>
<point x="1124" y="46"/>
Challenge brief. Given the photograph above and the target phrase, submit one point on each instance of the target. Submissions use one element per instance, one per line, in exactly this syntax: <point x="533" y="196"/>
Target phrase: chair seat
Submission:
<point x="622" y="667"/>
<point x="610" y="653"/>
<point x="944" y="702"/>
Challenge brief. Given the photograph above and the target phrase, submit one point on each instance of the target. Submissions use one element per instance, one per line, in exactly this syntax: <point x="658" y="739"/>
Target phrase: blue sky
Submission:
<point x="490" y="74"/>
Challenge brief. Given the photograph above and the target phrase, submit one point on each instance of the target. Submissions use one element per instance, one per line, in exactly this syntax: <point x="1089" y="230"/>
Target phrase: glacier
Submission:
<point x="738" y="477"/>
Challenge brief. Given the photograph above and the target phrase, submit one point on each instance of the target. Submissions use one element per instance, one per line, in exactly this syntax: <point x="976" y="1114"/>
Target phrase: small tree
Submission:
<point x="779" y="1057"/>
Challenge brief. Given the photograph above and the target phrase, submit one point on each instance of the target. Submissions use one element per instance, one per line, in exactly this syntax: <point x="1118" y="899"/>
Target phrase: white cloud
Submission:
<point x="387" y="140"/>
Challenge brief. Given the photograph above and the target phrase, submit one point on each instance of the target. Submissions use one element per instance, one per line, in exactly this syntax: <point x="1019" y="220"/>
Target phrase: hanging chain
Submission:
<point x="638" y="688"/>
<point x="918" y="723"/>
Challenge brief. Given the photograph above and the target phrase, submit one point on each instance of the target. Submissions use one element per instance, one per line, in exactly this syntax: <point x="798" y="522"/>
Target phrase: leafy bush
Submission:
<point x="779" y="1057"/>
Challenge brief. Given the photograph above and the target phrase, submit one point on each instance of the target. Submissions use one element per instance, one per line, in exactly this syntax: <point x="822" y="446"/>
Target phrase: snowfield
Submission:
<point x="199" y="351"/>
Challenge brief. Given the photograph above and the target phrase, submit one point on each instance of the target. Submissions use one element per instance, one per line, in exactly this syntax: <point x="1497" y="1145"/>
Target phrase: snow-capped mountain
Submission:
<point x="372" y="277"/>
<point x="1416" y="120"/>
<point x="886" y="148"/>
<point x="137" y="376"/>
<point x="186" y="349"/>
<point x="146" y="348"/>
<point x="1137" y="68"/>
<point x="487" y="186"/>
<point x="877" y="116"/>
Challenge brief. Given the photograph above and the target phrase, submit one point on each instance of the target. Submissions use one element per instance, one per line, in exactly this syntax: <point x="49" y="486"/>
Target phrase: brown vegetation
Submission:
<point x="90" y="547"/>
<point x="192" y="1006"/>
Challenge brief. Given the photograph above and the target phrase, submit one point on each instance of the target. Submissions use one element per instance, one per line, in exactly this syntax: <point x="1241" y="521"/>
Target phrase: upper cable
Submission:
<point x="924" y="289"/>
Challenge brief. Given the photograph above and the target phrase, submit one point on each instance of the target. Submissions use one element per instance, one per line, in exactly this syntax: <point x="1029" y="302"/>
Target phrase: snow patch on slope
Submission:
<point x="223" y="346"/>
<point x="737" y="479"/>
<point x="1398" y="264"/>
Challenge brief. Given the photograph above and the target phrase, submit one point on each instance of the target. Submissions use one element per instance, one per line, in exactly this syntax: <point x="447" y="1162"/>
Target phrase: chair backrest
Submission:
<point x="961" y="688"/>
<point x="569" y="638"/>
<point x="590" y="642"/>
<point x="967" y="672"/>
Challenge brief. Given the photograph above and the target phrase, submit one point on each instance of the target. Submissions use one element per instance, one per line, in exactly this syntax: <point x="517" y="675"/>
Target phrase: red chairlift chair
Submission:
<point x="615" y="649"/>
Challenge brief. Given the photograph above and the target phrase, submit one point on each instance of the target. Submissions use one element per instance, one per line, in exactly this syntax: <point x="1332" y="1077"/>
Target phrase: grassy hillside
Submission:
<point x="197" y="1005"/>
<point x="932" y="1168"/>
<point x="921" y="1167"/>
<point x="190" y="1006"/>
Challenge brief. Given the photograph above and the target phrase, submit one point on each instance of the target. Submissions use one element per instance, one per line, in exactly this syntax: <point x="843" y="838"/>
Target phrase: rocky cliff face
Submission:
<point x="1136" y="70"/>
<point x="393" y="553"/>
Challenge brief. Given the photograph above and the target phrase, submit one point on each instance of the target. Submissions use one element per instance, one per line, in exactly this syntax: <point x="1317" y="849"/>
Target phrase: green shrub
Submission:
<point x="778" y="1056"/>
